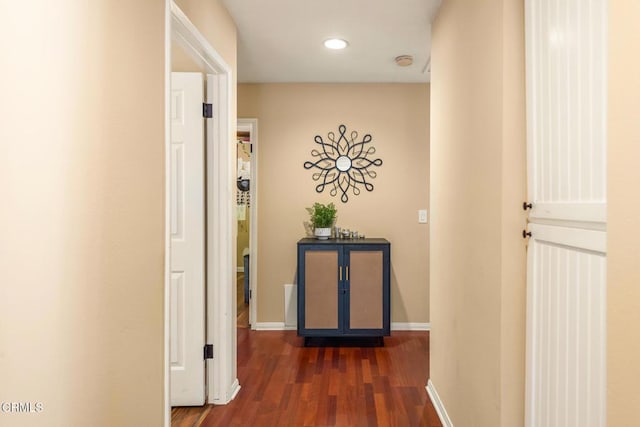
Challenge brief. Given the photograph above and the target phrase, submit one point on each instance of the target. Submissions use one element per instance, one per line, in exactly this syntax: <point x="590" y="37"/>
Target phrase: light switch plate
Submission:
<point x="422" y="216"/>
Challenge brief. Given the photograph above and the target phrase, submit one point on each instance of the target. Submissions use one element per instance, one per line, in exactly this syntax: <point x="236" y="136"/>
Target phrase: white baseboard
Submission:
<point x="437" y="403"/>
<point x="269" y="326"/>
<point x="240" y="269"/>
<point x="404" y="326"/>
<point x="395" y="326"/>
<point x="235" y="388"/>
<point x="290" y="306"/>
<point x="229" y="395"/>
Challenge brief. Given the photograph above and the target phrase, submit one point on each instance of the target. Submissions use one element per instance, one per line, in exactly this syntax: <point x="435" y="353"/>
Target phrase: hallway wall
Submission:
<point x="478" y="183"/>
<point x="82" y="216"/>
<point x="623" y="215"/>
<point x="289" y="117"/>
<point x="470" y="395"/>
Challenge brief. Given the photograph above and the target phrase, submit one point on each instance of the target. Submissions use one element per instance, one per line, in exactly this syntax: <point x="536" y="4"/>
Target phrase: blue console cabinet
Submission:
<point x="343" y="288"/>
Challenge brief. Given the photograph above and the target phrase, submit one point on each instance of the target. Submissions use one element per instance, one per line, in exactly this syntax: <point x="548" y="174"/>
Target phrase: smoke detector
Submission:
<point x="404" y="60"/>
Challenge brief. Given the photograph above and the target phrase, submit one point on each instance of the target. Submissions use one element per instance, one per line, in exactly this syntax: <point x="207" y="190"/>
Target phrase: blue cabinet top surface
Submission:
<point x="367" y="241"/>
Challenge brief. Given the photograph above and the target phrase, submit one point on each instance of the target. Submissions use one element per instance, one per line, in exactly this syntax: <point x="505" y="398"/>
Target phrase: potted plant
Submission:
<point x="322" y="218"/>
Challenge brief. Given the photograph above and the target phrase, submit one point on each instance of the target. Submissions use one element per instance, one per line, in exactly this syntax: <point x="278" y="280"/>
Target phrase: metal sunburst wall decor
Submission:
<point x="343" y="163"/>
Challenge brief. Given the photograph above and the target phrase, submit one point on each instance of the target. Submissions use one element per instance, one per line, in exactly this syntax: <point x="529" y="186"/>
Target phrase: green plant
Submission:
<point x="322" y="216"/>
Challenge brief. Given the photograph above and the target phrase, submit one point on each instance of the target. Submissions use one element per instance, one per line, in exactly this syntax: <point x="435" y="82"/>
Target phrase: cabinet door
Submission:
<point x="320" y="272"/>
<point x="367" y="299"/>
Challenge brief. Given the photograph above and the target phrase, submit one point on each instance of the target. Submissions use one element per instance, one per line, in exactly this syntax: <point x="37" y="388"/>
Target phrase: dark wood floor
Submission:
<point x="286" y="384"/>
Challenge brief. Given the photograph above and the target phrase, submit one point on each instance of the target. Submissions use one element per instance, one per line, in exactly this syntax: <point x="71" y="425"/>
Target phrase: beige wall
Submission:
<point x="289" y="116"/>
<point x="623" y="228"/>
<point x="181" y="61"/>
<point x="82" y="217"/>
<point x="513" y="263"/>
<point x="477" y="184"/>
<point x="82" y="248"/>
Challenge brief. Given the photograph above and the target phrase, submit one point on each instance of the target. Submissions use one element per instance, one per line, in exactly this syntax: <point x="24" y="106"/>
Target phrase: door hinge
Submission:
<point x="250" y="294"/>
<point x="208" y="351"/>
<point x="526" y="206"/>
<point x="250" y="148"/>
<point x="207" y="110"/>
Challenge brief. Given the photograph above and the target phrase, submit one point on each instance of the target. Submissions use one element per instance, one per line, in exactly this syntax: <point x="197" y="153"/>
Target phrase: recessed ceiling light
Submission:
<point x="335" y="44"/>
<point x="404" y="60"/>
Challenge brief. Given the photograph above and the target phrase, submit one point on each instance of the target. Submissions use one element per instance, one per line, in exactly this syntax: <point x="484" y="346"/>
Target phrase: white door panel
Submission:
<point x="566" y="101"/>
<point x="566" y="263"/>
<point x="187" y="333"/>
<point x="566" y="339"/>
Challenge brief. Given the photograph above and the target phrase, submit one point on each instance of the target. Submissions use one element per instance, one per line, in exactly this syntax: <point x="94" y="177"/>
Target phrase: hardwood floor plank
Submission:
<point x="370" y="405"/>
<point x="332" y="406"/>
<point x="189" y="416"/>
<point x="335" y="360"/>
<point x="287" y="384"/>
<point x="366" y="371"/>
<point x="382" y="413"/>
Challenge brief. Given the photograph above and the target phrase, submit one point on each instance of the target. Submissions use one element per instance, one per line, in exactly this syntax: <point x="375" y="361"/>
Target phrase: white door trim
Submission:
<point x="221" y="261"/>
<point x="220" y="284"/>
<point x="438" y="404"/>
<point x="166" y="360"/>
<point x="251" y="125"/>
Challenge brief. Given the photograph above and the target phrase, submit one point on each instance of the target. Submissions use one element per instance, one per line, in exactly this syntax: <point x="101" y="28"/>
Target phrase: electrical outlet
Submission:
<point x="422" y="216"/>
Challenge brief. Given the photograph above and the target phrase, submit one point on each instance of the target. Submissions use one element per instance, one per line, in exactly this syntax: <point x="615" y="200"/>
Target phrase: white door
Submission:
<point x="566" y="285"/>
<point x="187" y="316"/>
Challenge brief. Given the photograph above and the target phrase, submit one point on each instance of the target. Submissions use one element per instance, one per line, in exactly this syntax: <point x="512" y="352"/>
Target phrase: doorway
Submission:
<point x="221" y="378"/>
<point x="247" y="217"/>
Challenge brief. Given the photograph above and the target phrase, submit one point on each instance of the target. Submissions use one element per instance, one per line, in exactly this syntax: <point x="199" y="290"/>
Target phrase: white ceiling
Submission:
<point x="281" y="40"/>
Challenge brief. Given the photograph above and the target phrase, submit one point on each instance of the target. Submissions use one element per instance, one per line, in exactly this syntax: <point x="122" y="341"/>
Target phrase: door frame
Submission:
<point x="221" y="378"/>
<point x="252" y="126"/>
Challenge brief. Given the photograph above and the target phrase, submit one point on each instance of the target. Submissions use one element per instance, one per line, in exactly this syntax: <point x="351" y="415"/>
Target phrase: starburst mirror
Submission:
<point x="343" y="163"/>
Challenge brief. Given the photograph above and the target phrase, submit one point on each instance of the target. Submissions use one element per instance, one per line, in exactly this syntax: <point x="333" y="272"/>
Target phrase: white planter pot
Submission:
<point x="323" y="233"/>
